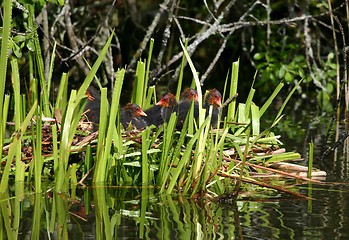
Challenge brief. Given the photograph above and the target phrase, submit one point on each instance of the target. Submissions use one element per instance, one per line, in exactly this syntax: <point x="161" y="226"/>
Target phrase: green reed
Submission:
<point x="187" y="160"/>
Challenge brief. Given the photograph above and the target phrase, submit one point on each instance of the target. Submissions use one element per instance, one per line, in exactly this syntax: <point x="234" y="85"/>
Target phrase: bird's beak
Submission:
<point x="218" y="102"/>
<point x="142" y="113"/>
<point x="162" y="103"/>
<point x="196" y="97"/>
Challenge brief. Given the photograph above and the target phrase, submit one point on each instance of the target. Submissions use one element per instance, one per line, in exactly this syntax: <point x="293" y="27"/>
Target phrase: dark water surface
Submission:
<point x="133" y="213"/>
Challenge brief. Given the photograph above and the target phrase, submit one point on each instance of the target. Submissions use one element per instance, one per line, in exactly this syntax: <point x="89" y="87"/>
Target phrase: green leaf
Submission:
<point x="30" y="45"/>
<point x="289" y="77"/>
<point x="258" y="56"/>
<point x="19" y="38"/>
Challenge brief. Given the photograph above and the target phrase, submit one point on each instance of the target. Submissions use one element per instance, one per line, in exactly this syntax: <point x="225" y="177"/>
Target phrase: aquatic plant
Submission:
<point x="50" y="133"/>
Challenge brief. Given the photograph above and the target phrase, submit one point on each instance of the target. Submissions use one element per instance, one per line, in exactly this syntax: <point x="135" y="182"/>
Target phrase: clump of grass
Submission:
<point x="192" y="160"/>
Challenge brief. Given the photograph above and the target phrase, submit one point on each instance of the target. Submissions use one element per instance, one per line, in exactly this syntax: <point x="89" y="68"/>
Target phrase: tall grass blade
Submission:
<point x="286" y="101"/>
<point x="270" y="99"/>
<point x="147" y="73"/>
<point x="102" y="162"/>
<point x="102" y="128"/>
<point x="53" y="55"/>
<point x="17" y="115"/>
<point x="40" y="64"/>
<point x="38" y="159"/>
<point x="4" y="54"/>
<point x="310" y="160"/>
<point x="180" y="78"/>
<point x="201" y="117"/>
<point x="15" y="141"/>
<point x="61" y="101"/>
<point x="139" y="88"/>
<point x="233" y="90"/>
<point x="145" y="165"/>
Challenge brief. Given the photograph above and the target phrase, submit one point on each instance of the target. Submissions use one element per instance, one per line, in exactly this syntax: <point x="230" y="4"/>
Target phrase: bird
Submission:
<point x="93" y="106"/>
<point x="168" y="105"/>
<point x="213" y="98"/>
<point x="161" y="111"/>
<point x="131" y="114"/>
<point x="187" y="96"/>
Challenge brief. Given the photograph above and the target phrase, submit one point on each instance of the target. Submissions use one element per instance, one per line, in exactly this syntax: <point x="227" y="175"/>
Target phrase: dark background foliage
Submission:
<point x="284" y="41"/>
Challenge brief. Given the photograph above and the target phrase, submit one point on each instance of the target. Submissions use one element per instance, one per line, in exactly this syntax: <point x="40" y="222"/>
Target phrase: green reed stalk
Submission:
<point x="6" y="215"/>
<point x="233" y="90"/>
<point x="68" y="129"/>
<point x="17" y="115"/>
<point x="36" y="222"/>
<point x="278" y="115"/>
<point x="180" y="78"/>
<point x="73" y="180"/>
<point x="166" y="153"/>
<point x="45" y="102"/>
<point x="38" y="158"/>
<point x="140" y="88"/>
<point x="201" y="118"/>
<point x="103" y="158"/>
<point x="62" y="209"/>
<point x="53" y="55"/>
<point x="102" y="128"/>
<point x="5" y="41"/>
<point x="145" y="164"/>
<point x="17" y="209"/>
<point x="146" y="77"/>
<point x="15" y="141"/>
<point x="255" y="119"/>
<point x="151" y="94"/>
<point x="55" y="149"/>
<point x="248" y="104"/>
<point x="270" y="99"/>
<point x="310" y="159"/>
<point x="61" y="101"/>
<point x="72" y="117"/>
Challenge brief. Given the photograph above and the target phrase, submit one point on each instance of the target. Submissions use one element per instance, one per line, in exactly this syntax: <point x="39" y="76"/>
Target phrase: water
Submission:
<point x="167" y="217"/>
<point x="133" y="213"/>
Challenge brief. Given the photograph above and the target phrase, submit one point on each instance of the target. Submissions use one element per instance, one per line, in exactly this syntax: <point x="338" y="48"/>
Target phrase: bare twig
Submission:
<point x="216" y="58"/>
<point x="72" y="38"/>
<point x="149" y="33"/>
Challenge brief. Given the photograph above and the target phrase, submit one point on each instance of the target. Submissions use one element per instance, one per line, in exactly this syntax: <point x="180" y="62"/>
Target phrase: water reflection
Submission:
<point x="132" y="213"/>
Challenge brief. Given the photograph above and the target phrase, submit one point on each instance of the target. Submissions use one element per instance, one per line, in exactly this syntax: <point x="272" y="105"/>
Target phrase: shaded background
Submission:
<point x="284" y="41"/>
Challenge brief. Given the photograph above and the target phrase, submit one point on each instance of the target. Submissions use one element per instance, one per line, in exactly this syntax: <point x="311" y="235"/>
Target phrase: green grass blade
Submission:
<point x="16" y="140"/>
<point x="139" y="88"/>
<point x="17" y="114"/>
<point x="286" y="101"/>
<point x="39" y="63"/>
<point x="100" y="174"/>
<point x="255" y="119"/>
<point x="310" y="159"/>
<point x="233" y="90"/>
<point x="270" y="99"/>
<point x="4" y="54"/>
<point x="146" y="80"/>
<point x="180" y="78"/>
<point x="145" y="165"/>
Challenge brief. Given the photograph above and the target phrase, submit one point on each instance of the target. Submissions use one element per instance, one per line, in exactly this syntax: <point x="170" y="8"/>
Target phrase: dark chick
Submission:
<point x="132" y="114"/>
<point x="187" y="96"/>
<point x="168" y="104"/>
<point x="93" y="105"/>
<point x="161" y="112"/>
<point x="213" y="98"/>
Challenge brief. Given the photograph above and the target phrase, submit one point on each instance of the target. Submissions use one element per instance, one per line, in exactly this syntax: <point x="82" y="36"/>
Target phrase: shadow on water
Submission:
<point x="128" y="212"/>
